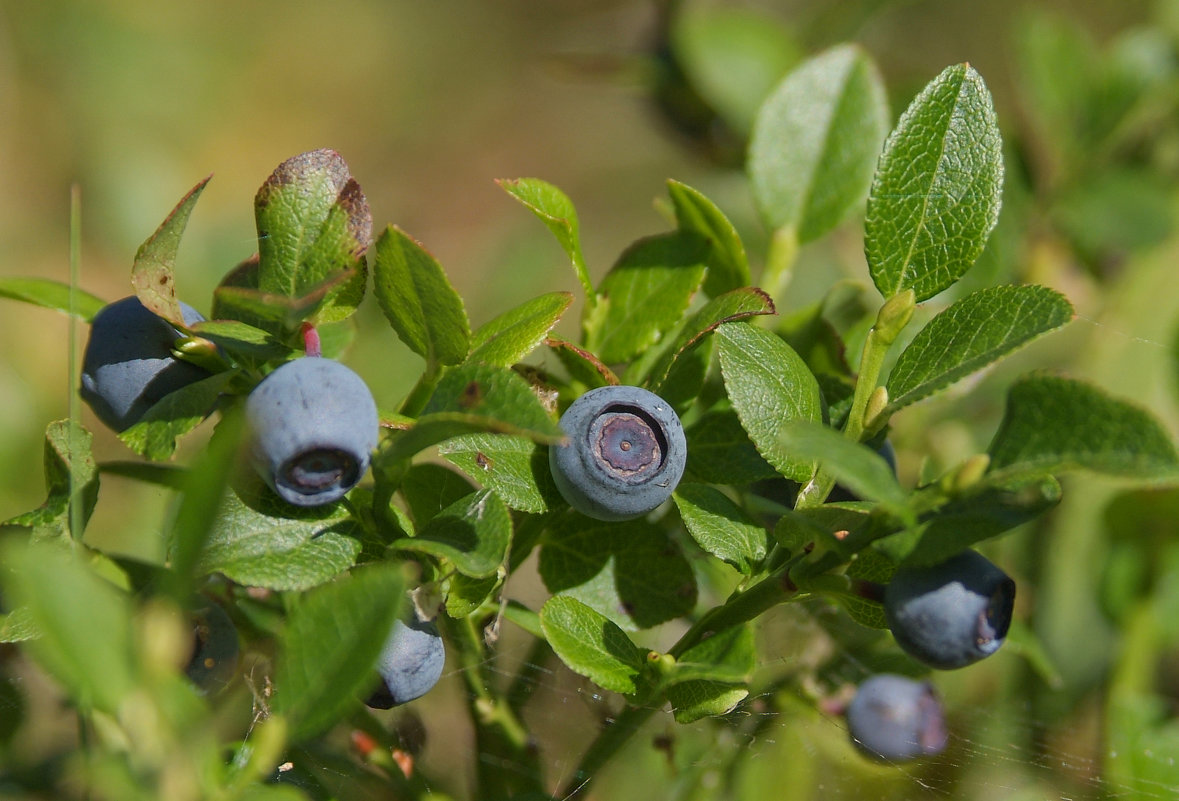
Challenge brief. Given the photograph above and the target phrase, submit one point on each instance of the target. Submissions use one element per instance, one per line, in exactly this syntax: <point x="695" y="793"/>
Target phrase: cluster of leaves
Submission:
<point x="776" y="415"/>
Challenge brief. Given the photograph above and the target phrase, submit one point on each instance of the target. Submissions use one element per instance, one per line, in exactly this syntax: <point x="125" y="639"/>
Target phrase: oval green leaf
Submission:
<point x="979" y="329"/>
<point x="418" y="300"/>
<point x="769" y="385"/>
<point x="936" y="194"/>
<point x="1053" y="424"/>
<point x="591" y="645"/>
<point x="816" y="140"/>
<point x="329" y="646"/>
<point x="514" y="334"/>
<point x="720" y="526"/>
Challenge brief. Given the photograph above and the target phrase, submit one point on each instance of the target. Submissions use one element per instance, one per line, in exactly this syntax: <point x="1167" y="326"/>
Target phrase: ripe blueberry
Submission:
<point x="625" y="456"/>
<point x="950" y="614"/>
<point x="894" y="718"/>
<point x="215" y="649"/>
<point x="313" y="425"/>
<point x="128" y="365"/>
<point x="410" y="664"/>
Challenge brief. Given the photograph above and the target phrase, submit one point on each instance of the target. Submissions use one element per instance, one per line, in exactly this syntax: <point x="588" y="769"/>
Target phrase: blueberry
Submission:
<point x="313" y="425"/>
<point x="128" y="365"/>
<point x="894" y="718"/>
<point x="215" y="649"/>
<point x="410" y="664"/>
<point x="950" y="614"/>
<point x="625" y="456"/>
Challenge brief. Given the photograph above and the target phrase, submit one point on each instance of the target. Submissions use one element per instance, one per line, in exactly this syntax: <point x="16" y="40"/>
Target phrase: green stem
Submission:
<point x="528" y="677"/>
<point x="740" y="608"/>
<point x="893" y="316"/>
<point x="779" y="269"/>
<point x="416" y="400"/>
<point x="608" y="743"/>
<point x="509" y="765"/>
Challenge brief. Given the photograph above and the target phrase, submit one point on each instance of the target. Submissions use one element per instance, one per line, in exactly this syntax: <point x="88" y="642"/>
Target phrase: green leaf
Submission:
<point x="152" y="273"/>
<point x="720" y="452"/>
<point x="418" y="300"/>
<point x="259" y="541"/>
<point x="18" y="626"/>
<point x="705" y="675"/>
<point x="591" y="645"/>
<point x="473" y="399"/>
<point x="728" y="267"/>
<point x="428" y="488"/>
<point x="179" y="412"/>
<point x="473" y="533"/>
<point x="740" y="304"/>
<point x="630" y="572"/>
<point x="314" y="224"/>
<point x="965" y="522"/>
<point x="646" y="292"/>
<point x="1054" y="424"/>
<point x="694" y="700"/>
<point x="494" y="392"/>
<point x="51" y="295"/>
<point x="330" y="644"/>
<point x="83" y="623"/>
<point x="239" y="298"/>
<point x="204" y="486"/>
<point x="857" y="467"/>
<point x="243" y="340"/>
<point x="977" y="330"/>
<point x="583" y="366"/>
<point x="514" y="334"/>
<point x="720" y="526"/>
<point x="936" y="194"/>
<point x="555" y="210"/>
<point x="515" y="467"/>
<point x="769" y="386"/>
<point x="464" y="595"/>
<point x="732" y="56"/>
<point x="816" y="140"/>
<point x="71" y="480"/>
<point x="729" y="656"/>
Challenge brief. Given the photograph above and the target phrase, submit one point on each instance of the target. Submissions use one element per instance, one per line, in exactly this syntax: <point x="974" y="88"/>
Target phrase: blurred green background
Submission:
<point x="429" y="102"/>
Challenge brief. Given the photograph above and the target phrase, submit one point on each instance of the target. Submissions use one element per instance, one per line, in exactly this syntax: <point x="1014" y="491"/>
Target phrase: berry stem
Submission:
<point x="311" y="343"/>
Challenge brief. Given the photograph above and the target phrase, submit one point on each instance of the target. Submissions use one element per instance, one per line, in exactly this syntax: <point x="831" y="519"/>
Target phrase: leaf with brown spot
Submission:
<point x="152" y="273"/>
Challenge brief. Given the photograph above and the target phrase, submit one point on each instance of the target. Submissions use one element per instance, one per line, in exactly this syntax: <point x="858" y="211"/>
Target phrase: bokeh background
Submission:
<point x="430" y="102"/>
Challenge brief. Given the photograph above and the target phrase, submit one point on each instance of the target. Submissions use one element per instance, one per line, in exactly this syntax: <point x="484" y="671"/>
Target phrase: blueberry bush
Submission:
<point x="637" y="497"/>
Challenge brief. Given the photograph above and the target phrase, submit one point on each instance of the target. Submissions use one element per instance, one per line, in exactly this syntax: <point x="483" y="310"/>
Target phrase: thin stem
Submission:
<point x="76" y="504"/>
<point x="508" y="761"/>
<point x="893" y="316"/>
<point x="416" y="400"/>
<point x="528" y="677"/>
<point x="779" y="269"/>
<point x="608" y="743"/>
<point x="740" y="608"/>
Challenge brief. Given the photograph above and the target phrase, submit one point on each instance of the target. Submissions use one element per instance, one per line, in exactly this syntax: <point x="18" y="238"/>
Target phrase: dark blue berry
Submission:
<point x="894" y="718"/>
<point x="410" y="664"/>
<point x="950" y="614"/>
<point x="128" y="365"/>
<point x="313" y="426"/>
<point x="625" y="455"/>
<point x="215" y="649"/>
